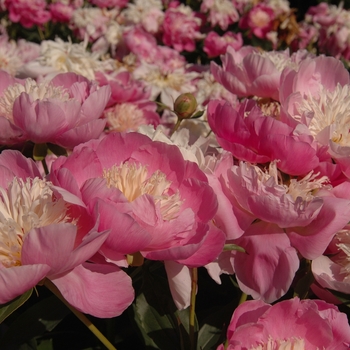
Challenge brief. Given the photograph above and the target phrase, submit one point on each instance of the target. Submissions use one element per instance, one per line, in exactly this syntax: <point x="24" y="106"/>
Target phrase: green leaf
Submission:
<point x="40" y="151"/>
<point x="161" y="325"/>
<point x="212" y="333"/>
<point x="228" y="247"/>
<point x="197" y="115"/>
<point x="7" y="309"/>
<point x="42" y="317"/>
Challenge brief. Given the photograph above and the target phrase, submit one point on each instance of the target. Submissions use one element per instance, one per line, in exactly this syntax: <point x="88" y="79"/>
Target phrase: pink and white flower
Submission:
<point x="46" y="233"/>
<point x="150" y="198"/>
<point x="64" y="111"/>
<point x="289" y="324"/>
<point x="221" y="12"/>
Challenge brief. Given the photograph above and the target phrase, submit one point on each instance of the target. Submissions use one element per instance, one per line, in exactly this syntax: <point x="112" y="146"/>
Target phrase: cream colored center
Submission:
<point x="37" y="91"/>
<point x="125" y="117"/>
<point x="289" y="344"/>
<point x="23" y="206"/>
<point x="134" y="181"/>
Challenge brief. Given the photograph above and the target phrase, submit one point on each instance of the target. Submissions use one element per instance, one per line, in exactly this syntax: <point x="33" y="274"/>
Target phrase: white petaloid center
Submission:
<point x="37" y="91"/>
<point x="23" y="206"/>
<point x="343" y="259"/>
<point x="330" y="110"/>
<point x="134" y="181"/>
<point x="125" y="117"/>
<point x="305" y="188"/>
<point x="289" y="344"/>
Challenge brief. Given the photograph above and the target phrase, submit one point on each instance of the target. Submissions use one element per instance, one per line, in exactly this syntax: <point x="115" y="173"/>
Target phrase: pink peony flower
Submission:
<point x="28" y="13"/>
<point x="64" y="111"/>
<point x="109" y="3"/>
<point x="259" y="20"/>
<point x="316" y="99"/>
<point x="61" y="12"/>
<point x="333" y="271"/>
<point x="150" y="198"/>
<point x="130" y="116"/>
<point x="221" y="12"/>
<point x="247" y="72"/>
<point x="46" y="233"/>
<point x="181" y="28"/>
<point x="289" y="324"/>
<point x="253" y="137"/>
<point x="216" y="45"/>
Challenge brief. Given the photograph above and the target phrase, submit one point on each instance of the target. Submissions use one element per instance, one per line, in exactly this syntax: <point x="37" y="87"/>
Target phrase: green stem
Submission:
<point x="194" y="279"/>
<point x="243" y="298"/>
<point x="46" y="169"/>
<point x="176" y="125"/>
<point x="80" y="316"/>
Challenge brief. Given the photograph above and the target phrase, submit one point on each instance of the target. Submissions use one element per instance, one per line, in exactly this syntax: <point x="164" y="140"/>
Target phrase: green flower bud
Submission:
<point x="185" y="105"/>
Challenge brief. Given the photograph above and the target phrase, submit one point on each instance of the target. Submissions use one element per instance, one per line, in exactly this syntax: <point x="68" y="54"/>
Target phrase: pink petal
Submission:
<point x="15" y="281"/>
<point x="103" y="291"/>
<point x="268" y="267"/>
<point x="179" y="278"/>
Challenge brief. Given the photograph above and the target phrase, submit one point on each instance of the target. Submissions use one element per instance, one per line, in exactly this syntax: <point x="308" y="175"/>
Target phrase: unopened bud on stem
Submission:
<point x="185" y="105"/>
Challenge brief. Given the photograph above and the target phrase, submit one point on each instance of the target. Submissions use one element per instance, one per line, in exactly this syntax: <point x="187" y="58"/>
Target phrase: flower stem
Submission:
<point x="80" y="316"/>
<point x="243" y="298"/>
<point x="176" y="125"/>
<point x="194" y="279"/>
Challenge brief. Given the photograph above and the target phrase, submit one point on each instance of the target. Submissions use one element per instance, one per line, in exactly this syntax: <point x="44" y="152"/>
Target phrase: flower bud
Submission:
<point x="185" y="105"/>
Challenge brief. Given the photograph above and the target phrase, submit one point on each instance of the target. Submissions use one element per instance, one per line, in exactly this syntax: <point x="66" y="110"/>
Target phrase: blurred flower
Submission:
<point x="181" y="28"/>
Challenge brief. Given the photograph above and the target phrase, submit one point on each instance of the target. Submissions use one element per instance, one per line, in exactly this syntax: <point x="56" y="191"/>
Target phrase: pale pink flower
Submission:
<point x="64" y="111"/>
<point x="181" y="28"/>
<point x="221" y="12"/>
<point x="216" y="45"/>
<point x="289" y="324"/>
<point x="148" y="13"/>
<point x="129" y="116"/>
<point x="46" y="232"/>
<point x="247" y="71"/>
<point x="317" y="97"/>
<point x="148" y="195"/>
<point x="90" y="22"/>
<point x="28" y="13"/>
<point x="332" y="270"/>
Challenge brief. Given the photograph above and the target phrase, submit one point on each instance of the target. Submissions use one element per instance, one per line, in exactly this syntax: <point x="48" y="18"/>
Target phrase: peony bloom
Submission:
<point x="251" y="136"/>
<point x="247" y="71"/>
<point x="59" y="57"/>
<point x="64" y="111"/>
<point x="289" y="324"/>
<point x="152" y="200"/>
<point x="333" y="272"/>
<point x="47" y="233"/>
<point x="216" y="45"/>
<point x="181" y="28"/>
<point x="221" y="12"/>
<point x="317" y="97"/>
<point x="148" y="13"/>
<point x="28" y="13"/>
<point x="259" y="20"/>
